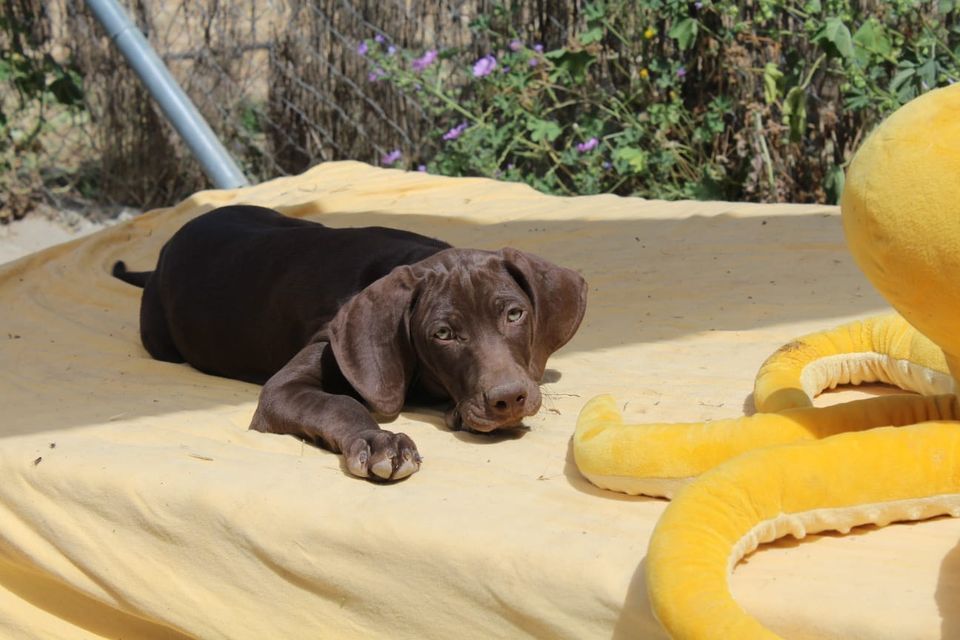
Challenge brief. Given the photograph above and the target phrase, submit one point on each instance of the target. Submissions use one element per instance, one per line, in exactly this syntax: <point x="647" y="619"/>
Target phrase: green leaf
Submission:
<point x="871" y="39"/>
<point x="833" y="183"/>
<point x="873" y="35"/>
<point x="250" y="119"/>
<point x="684" y="32"/>
<point x="795" y="113"/>
<point x="573" y="63"/>
<point x="813" y="6"/>
<point x="772" y="79"/>
<point x="541" y="130"/>
<point x="594" y="11"/>
<point x="835" y="38"/>
<point x="927" y="73"/>
<point x="900" y="79"/>
<point x="67" y="90"/>
<point x="709" y="188"/>
<point x="591" y="36"/>
<point x="634" y="159"/>
<point x="858" y="100"/>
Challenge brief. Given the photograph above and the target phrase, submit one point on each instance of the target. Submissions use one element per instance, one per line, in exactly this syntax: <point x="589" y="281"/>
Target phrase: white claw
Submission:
<point x="383" y="469"/>
<point x="357" y="467"/>
<point x="407" y="468"/>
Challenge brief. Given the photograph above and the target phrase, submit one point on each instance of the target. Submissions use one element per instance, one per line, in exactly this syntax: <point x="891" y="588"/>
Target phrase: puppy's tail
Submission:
<point x="136" y="278"/>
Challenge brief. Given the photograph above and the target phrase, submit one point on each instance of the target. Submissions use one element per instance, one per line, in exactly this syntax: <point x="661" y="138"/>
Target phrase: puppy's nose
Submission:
<point x="507" y="399"/>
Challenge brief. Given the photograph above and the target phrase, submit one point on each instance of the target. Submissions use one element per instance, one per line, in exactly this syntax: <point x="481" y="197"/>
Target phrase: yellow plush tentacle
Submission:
<point x="874" y="477"/>
<point x="881" y="349"/>
<point x="658" y="459"/>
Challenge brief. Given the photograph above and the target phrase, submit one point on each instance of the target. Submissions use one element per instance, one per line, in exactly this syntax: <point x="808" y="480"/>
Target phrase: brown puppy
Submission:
<point x="329" y="319"/>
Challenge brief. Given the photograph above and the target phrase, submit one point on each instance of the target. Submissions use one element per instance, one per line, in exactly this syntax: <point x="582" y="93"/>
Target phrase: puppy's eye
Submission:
<point x="443" y="333"/>
<point x="514" y="314"/>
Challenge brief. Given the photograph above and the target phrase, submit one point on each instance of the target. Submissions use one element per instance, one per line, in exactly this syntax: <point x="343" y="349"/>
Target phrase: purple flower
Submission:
<point x="516" y="45"/>
<point x="362" y="48"/>
<point x="538" y="48"/>
<point x="456" y="132"/>
<point x="534" y="62"/>
<point x="484" y="66"/>
<point x="379" y="38"/>
<point x="376" y="74"/>
<point x="422" y="168"/>
<point x="391" y="50"/>
<point x="589" y="145"/>
<point x="681" y="72"/>
<point x="606" y="164"/>
<point x="698" y="5"/>
<point x="391" y="158"/>
<point x="424" y="61"/>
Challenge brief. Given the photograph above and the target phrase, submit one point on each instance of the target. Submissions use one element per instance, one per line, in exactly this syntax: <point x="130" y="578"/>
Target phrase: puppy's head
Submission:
<point x="473" y="326"/>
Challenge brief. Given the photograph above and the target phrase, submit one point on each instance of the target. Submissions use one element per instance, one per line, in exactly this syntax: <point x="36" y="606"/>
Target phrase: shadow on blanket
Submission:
<point x="71" y="329"/>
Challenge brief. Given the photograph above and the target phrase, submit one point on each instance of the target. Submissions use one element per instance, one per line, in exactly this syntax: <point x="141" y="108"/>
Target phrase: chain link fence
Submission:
<point x="279" y="81"/>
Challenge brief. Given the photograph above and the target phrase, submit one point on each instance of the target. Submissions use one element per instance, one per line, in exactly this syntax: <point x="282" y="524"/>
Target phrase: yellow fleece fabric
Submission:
<point x="134" y="502"/>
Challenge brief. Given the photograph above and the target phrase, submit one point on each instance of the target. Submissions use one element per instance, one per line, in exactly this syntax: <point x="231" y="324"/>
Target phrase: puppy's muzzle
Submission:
<point x="500" y="407"/>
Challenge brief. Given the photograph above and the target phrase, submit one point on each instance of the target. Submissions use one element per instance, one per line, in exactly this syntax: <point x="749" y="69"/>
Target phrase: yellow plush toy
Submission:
<point x="794" y="468"/>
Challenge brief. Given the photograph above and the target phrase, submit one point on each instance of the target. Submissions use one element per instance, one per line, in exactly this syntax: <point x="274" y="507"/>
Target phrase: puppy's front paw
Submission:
<point x="382" y="455"/>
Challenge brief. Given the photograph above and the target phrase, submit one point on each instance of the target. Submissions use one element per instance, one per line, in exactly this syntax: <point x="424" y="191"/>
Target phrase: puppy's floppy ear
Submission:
<point x="371" y="342"/>
<point x="559" y="297"/>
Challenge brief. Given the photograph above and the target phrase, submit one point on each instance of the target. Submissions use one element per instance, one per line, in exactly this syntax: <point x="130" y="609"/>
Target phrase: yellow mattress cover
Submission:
<point x="134" y="502"/>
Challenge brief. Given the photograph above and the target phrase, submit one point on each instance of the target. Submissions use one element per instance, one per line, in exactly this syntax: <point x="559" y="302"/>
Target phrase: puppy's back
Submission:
<point x="242" y="288"/>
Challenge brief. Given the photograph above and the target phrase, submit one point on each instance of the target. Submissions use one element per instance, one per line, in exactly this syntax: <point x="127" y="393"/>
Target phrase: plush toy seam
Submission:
<point x="635" y="486"/>
<point x="841" y="519"/>
<point x="856" y="368"/>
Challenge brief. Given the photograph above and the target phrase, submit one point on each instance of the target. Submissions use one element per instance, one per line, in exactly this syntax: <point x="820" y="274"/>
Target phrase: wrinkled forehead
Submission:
<point x="467" y="281"/>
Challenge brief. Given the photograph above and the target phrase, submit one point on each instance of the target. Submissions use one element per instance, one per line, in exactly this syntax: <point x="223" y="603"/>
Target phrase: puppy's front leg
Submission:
<point x="293" y="402"/>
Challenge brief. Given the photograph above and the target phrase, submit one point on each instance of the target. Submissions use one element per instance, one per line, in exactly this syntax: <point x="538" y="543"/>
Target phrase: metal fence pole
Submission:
<point x="180" y="111"/>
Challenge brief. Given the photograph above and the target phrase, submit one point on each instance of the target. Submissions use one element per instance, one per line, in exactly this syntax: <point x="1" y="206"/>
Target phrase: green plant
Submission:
<point x="40" y="88"/>
<point x="761" y="100"/>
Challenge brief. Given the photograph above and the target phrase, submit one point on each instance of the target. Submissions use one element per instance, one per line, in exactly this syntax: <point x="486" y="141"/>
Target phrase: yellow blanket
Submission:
<point x="134" y="503"/>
